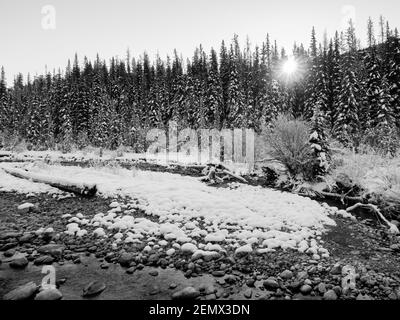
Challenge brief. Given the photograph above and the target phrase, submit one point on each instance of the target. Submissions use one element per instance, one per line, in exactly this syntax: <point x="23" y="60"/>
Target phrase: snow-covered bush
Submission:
<point x="288" y="140"/>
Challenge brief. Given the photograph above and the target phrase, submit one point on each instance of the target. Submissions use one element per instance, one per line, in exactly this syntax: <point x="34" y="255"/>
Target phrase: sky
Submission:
<point x="36" y="33"/>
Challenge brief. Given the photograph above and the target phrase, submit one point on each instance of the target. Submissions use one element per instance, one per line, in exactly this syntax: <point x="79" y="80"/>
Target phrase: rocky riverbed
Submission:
<point x="91" y="267"/>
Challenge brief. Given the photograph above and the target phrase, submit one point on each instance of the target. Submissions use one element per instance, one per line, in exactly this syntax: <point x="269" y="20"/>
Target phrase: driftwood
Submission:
<point x="87" y="190"/>
<point x="213" y="173"/>
<point x="392" y="228"/>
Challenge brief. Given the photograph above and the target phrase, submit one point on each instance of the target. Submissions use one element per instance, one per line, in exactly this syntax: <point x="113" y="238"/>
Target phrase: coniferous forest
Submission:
<point x="347" y="92"/>
<point x="238" y="171"/>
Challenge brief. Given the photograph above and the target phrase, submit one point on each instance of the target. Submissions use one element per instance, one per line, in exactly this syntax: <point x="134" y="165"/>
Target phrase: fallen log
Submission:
<point x="392" y="228"/>
<point x="340" y="197"/>
<point x="83" y="189"/>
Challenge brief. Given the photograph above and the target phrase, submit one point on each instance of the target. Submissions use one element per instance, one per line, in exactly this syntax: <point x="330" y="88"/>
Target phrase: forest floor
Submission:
<point x="148" y="270"/>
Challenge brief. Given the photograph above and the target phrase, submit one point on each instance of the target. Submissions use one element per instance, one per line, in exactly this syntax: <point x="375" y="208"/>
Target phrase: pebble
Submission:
<point x="126" y="258"/>
<point x="321" y="288"/>
<point x="218" y="273"/>
<point x="336" y="269"/>
<point x="26" y="237"/>
<point x="130" y="270"/>
<point x="49" y="294"/>
<point x="270" y="283"/>
<point x="22" y="293"/>
<point x="287" y="274"/>
<point x="248" y="293"/>
<point x="93" y="288"/>
<point x="153" y="273"/>
<point x="43" y="260"/>
<point x="19" y="263"/>
<point x="186" y="293"/>
<point x="330" y="295"/>
<point x="9" y="253"/>
<point x="302" y="275"/>
<point x="55" y="250"/>
<point x="305" y="289"/>
<point x="172" y="285"/>
<point x="364" y="297"/>
<point x="250" y="282"/>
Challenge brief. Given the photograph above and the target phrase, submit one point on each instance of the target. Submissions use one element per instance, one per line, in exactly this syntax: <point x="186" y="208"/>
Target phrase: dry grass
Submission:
<point x="371" y="171"/>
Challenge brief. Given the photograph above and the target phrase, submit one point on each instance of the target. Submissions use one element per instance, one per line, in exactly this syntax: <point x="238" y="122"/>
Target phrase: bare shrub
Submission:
<point x="288" y="141"/>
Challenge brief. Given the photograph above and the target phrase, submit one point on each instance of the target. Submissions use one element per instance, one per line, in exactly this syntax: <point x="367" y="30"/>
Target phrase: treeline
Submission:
<point x="347" y="92"/>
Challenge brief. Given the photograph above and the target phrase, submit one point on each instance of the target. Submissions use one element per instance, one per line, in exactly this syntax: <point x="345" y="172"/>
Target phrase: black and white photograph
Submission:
<point x="216" y="152"/>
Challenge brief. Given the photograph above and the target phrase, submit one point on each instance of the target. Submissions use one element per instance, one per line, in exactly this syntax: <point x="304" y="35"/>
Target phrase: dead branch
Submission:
<point x="235" y="176"/>
<point x="392" y="228"/>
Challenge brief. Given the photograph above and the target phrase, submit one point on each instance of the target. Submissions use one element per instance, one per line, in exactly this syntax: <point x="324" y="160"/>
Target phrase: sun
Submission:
<point x="290" y="66"/>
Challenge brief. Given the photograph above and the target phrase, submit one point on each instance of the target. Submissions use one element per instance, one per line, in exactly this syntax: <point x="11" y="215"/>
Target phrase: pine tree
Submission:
<point x="213" y="99"/>
<point x="347" y="123"/>
<point x="235" y="103"/>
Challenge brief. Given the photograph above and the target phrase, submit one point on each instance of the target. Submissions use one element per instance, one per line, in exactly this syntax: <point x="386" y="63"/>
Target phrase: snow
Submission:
<point x="188" y="248"/>
<point x="9" y="183"/>
<point x="244" y="249"/>
<point x="25" y="206"/>
<point x="242" y="217"/>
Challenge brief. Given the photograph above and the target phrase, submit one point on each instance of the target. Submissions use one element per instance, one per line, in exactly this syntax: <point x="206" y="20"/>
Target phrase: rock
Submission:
<point x="321" y="288"/>
<point x="43" y="260"/>
<point x="393" y="296"/>
<point x="364" y="297"/>
<point x="26" y="237"/>
<point x="188" y="248"/>
<point x="154" y="290"/>
<point x="26" y="207"/>
<point x="8" y="246"/>
<point x="8" y="235"/>
<point x="230" y="279"/>
<point x="211" y="296"/>
<point x="55" y="250"/>
<point x="243" y="250"/>
<point x="126" y="258"/>
<point x="9" y="253"/>
<point x="248" y="293"/>
<point x="22" y="293"/>
<point x="93" y="288"/>
<point x="271" y="283"/>
<point x="104" y="265"/>
<point x="250" y="282"/>
<point x="153" y="273"/>
<point x="338" y="290"/>
<point x="172" y="285"/>
<point x="186" y="293"/>
<point x="305" y="289"/>
<point x="19" y="263"/>
<point x="330" y="295"/>
<point x="218" y="273"/>
<point x="287" y="274"/>
<point x="336" y="269"/>
<point x="49" y="294"/>
<point x="302" y="275"/>
<point x="295" y="285"/>
<point x="131" y="270"/>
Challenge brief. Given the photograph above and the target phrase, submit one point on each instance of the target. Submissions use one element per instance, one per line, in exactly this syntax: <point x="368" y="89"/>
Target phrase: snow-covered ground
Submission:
<point x="93" y="155"/>
<point x="197" y="218"/>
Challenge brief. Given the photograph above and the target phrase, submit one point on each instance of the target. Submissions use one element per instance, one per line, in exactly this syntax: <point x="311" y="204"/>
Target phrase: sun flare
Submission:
<point x="290" y="66"/>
